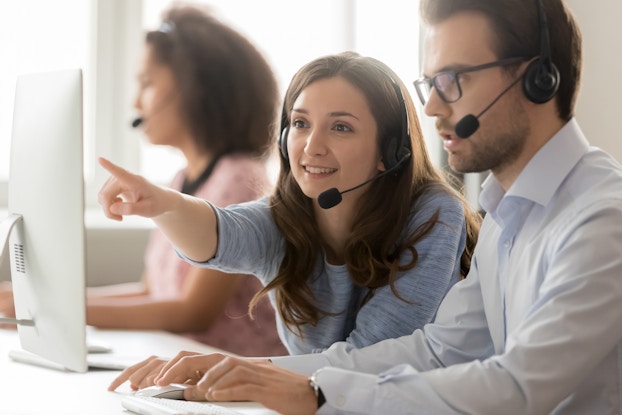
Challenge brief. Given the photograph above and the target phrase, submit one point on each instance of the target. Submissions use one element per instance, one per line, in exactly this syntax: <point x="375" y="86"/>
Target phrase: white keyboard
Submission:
<point x="146" y="405"/>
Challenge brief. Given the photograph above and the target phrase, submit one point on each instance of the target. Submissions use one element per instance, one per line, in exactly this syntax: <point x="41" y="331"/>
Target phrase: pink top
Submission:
<point x="235" y="179"/>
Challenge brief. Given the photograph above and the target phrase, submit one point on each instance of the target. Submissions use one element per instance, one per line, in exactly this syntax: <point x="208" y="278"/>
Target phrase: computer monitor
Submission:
<point x="45" y="227"/>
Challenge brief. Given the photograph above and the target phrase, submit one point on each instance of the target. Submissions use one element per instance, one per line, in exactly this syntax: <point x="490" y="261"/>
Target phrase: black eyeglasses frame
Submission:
<point x="424" y="82"/>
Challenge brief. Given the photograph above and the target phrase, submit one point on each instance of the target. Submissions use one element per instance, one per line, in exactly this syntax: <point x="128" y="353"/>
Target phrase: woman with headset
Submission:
<point x="363" y="264"/>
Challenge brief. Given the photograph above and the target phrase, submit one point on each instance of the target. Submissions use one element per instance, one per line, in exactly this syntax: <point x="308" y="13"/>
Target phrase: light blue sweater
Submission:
<point x="249" y="242"/>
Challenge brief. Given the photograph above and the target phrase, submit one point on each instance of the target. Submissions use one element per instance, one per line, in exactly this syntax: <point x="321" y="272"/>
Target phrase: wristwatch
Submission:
<point x="321" y="400"/>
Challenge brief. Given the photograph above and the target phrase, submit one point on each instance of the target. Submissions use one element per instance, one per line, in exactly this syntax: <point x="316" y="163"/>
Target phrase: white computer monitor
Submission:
<point x="45" y="227"/>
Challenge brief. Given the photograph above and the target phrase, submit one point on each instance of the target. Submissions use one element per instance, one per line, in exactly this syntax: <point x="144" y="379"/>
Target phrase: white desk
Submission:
<point x="33" y="390"/>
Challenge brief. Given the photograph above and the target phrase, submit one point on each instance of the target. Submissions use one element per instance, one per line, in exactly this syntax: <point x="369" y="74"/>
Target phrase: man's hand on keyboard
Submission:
<point x="234" y="379"/>
<point x="217" y="377"/>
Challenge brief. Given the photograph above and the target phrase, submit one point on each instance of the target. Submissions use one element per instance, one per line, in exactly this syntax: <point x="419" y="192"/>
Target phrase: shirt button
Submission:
<point x="507" y="244"/>
<point x="340" y="401"/>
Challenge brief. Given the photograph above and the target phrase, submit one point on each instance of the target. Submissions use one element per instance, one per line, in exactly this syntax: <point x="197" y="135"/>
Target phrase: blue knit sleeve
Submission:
<point x="424" y="286"/>
<point x="248" y="241"/>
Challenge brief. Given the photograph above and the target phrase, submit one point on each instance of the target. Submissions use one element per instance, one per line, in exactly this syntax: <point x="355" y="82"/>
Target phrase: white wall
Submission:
<point x="600" y="96"/>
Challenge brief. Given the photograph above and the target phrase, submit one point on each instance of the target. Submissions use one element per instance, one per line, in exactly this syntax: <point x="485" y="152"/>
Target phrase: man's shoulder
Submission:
<point x="592" y="187"/>
<point x="597" y="176"/>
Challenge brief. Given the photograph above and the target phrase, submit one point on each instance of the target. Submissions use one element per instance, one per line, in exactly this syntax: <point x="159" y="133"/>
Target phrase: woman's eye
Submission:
<point x="342" y="128"/>
<point x="298" y="124"/>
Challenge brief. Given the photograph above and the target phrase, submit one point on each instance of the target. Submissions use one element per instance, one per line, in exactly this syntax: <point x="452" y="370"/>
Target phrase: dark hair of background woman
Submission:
<point x="228" y="91"/>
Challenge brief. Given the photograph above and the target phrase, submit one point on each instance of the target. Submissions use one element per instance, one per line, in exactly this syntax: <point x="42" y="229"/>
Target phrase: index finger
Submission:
<point x="117" y="171"/>
<point x="128" y="372"/>
<point x="121" y="182"/>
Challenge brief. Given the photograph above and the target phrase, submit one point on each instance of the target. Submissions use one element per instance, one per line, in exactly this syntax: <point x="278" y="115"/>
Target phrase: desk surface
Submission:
<point x="31" y="390"/>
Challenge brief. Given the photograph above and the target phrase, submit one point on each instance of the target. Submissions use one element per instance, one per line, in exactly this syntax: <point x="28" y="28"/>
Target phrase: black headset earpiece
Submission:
<point x="396" y="150"/>
<point x="284" y="133"/>
<point x="283" y="142"/>
<point x="540" y="81"/>
<point x="541" y="78"/>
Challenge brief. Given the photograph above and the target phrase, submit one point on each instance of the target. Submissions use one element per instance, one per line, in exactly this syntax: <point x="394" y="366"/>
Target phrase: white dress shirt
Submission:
<point x="535" y="328"/>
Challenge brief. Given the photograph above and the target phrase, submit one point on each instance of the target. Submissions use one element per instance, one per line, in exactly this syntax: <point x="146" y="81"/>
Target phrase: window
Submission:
<point x="107" y="46"/>
<point x="35" y="36"/>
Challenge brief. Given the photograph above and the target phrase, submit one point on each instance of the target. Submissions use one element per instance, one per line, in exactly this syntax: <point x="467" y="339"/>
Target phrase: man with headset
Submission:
<point x="535" y="326"/>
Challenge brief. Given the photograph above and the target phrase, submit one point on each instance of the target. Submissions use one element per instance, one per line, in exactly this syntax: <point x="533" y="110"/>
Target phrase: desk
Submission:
<point x="33" y="390"/>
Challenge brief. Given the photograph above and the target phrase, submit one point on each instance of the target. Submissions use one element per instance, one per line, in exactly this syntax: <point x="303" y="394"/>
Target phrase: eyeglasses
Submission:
<point x="447" y="83"/>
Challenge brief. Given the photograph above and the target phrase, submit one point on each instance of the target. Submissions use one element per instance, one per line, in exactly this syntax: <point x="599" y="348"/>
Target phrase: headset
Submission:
<point x="394" y="150"/>
<point x="541" y="78"/>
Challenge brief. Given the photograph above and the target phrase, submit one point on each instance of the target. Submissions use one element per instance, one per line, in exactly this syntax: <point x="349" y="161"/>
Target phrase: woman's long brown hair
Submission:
<point x="374" y="248"/>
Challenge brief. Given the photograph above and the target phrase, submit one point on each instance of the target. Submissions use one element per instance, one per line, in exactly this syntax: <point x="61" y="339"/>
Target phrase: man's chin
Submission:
<point x="462" y="167"/>
<point x="456" y="164"/>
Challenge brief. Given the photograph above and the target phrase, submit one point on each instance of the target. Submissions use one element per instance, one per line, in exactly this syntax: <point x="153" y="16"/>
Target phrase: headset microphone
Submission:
<point x="470" y="123"/>
<point x="332" y="197"/>
<point x="137" y="122"/>
<point x="467" y="125"/>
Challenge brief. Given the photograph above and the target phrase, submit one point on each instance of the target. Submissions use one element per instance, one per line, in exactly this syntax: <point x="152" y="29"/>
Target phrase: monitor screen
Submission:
<point x="46" y="242"/>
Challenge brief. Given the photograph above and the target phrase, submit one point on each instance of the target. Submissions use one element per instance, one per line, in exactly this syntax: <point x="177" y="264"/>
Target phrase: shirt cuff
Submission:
<point x="345" y="391"/>
<point x="305" y="364"/>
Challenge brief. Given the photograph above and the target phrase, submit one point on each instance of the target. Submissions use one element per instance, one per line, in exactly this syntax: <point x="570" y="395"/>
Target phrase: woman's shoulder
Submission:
<point x="438" y="196"/>
<point x="440" y="204"/>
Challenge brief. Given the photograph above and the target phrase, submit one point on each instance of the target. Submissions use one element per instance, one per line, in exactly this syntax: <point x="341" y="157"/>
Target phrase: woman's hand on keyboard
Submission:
<point x="147" y="372"/>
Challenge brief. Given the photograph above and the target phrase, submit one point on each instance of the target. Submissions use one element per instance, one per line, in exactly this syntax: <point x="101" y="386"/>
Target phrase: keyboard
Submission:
<point x="146" y="405"/>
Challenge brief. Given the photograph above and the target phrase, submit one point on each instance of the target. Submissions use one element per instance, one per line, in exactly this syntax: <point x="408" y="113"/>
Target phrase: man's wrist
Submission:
<point x="319" y="395"/>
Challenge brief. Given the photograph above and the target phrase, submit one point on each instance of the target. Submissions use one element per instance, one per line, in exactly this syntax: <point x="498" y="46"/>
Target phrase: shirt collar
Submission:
<point x="544" y="173"/>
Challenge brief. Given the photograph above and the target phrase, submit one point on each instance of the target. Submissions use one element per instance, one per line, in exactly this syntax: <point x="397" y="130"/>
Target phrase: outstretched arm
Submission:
<point x="188" y="222"/>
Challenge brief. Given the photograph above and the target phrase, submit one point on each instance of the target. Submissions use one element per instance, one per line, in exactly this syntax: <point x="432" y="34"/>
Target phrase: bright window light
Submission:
<point x="36" y="36"/>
